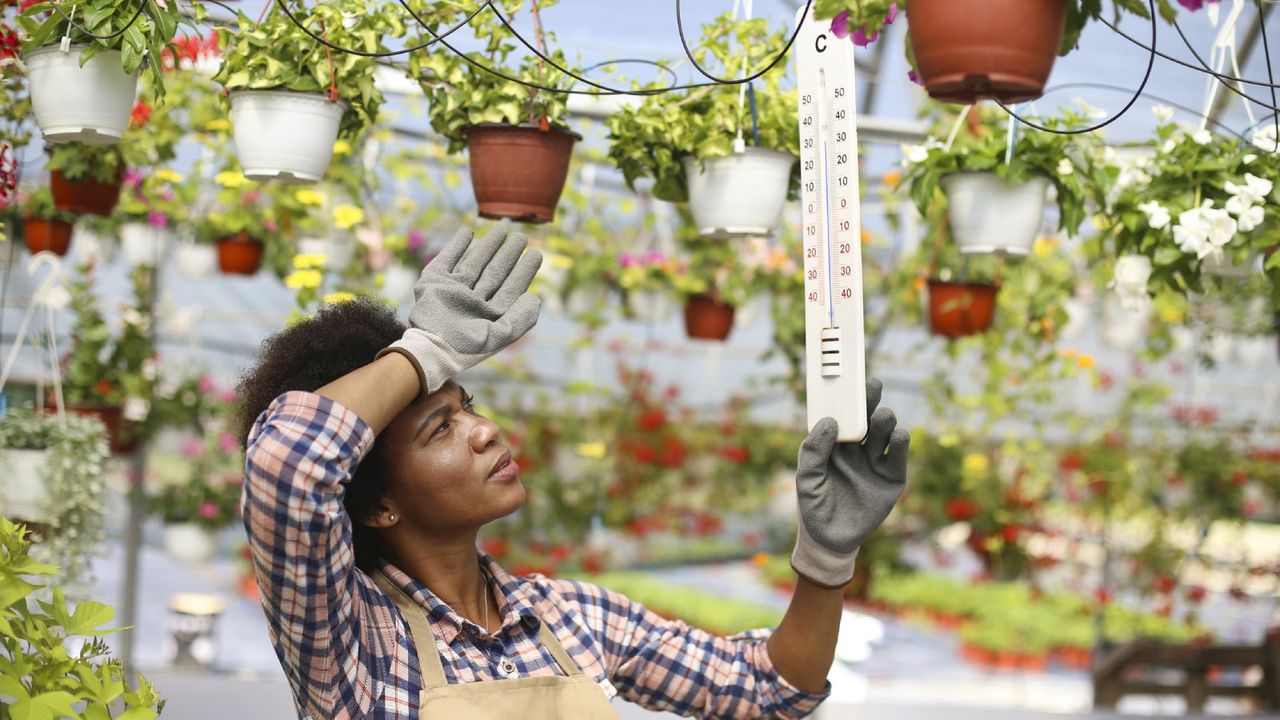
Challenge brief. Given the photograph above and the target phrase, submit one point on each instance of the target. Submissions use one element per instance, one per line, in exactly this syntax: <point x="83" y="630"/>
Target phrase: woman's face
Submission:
<point x="449" y="468"/>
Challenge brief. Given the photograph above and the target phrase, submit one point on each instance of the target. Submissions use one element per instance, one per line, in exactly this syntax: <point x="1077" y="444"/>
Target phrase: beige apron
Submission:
<point x="570" y="696"/>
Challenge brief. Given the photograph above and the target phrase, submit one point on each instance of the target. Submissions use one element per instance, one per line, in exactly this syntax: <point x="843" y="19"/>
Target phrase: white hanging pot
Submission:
<point x="197" y="261"/>
<point x="1221" y="265"/>
<point x="650" y="306"/>
<point x="1254" y="351"/>
<point x="990" y="216"/>
<point x="283" y="135"/>
<point x="24" y="493"/>
<point x="1123" y="328"/>
<point x="89" y="104"/>
<point x="1221" y="347"/>
<point x="93" y="247"/>
<point x="190" y="543"/>
<point x="397" y="284"/>
<point x="741" y="194"/>
<point x="144" y="244"/>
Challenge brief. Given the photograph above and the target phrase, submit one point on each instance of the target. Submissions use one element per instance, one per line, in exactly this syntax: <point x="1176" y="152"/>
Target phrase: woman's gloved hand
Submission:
<point x="846" y="491"/>
<point x="471" y="301"/>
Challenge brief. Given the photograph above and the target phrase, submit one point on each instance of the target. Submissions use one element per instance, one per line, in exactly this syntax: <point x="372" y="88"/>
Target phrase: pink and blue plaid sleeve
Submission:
<point x="667" y="665"/>
<point x="301" y="450"/>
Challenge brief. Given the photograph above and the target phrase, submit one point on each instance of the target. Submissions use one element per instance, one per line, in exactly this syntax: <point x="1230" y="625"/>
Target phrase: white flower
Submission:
<point x="1248" y="159"/>
<point x="1132" y="273"/>
<point x="136" y="409"/>
<point x="1250" y="219"/>
<point x="1163" y="113"/>
<point x="149" y="369"/>
<point x="914" y="154"/>
<point x="1065" y="167"/>
<point x="1264" y="138"/>
<point x="1204" y="229"/>
<point x="1254" y="191"/>
<point x="131" y="317"/>
<point x="1157" y="214"/>
<point x="1202" y="137"/>
<point x="1089" y="110"/>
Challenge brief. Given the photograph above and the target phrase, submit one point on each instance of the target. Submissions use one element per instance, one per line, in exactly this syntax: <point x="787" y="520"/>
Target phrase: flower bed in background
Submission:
<point x="710" y="611"/>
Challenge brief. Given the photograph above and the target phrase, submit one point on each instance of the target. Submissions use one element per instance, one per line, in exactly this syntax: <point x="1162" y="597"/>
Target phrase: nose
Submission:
<point x="483" y="434"/>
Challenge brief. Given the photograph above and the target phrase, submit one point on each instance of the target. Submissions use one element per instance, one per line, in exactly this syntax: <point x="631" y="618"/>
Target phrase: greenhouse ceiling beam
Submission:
<point x="1247" y="47"/>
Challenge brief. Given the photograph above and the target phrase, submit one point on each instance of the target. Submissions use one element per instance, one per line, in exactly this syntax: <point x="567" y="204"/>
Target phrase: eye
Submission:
<point x="469" y="403"/>
<point x="441" y="428"/>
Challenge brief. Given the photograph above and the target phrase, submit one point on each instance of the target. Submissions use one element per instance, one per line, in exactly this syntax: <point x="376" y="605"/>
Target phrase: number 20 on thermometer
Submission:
<point x="832" y="229"/>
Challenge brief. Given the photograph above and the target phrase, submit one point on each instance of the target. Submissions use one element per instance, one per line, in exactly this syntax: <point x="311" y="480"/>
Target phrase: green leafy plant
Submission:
<point x="77" y="161"/>
<point x="237" y="206"/>
<point x="40" y="676"/>
<point x="140" y="33"/>
<point x="652" y="139"/>
<point x="276" y="55"/>
<point x="38" y="205"/>
<point x="461" y="95"/>
<point x="161" y="198"/>
<point x="209" y="494"/>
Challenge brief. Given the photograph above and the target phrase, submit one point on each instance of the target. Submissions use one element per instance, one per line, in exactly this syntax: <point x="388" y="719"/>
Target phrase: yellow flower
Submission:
<point x="168" y="175"/>
<point x="1069" y="352"/>
<point x="558" y="261"/>
<point x="591" y="450"/>
<point x="339" y="297"/>
<point x="309" y="261"/>
<point x="891" y="178"/>
<point x="230" y="179"/>
<point x="307" y="196"/>
<point x="1171" y="314"/>
<point x="1085" y="361"/>
<point x="218" y="124"/>
<point x="976" y="463"/>
<point x="346" y="217"/>
<point x="1043" y="247"/>
<point x="303" y="279"/>
<point x="341" y="147"/>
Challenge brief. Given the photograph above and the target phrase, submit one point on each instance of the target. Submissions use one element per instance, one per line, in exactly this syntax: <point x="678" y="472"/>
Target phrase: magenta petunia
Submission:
<point x="840" y="24"/>
<point x="207" y="510"/>
<point x="654" y="257"/>
<point x="227" y="443"/>
<point x="206" y="385"/>
<point x="192" y="447"/>
<point x="913" y="77"/>
<point x="862" y="38"/>
<point x="892" y="14"/>
<point x="416" y="239"/>
<point x="157" y="219"/>
<point x="627" y="260"/>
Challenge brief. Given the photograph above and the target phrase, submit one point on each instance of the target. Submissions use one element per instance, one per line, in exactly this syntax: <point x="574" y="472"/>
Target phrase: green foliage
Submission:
<point x="139" y="41"/>
<point x="162" y="197"/>
<point x="237" y="205"/>
<point x="38" y="205"/>
<point x="652" y="139"/>
<point x="209" y="493"/>
<point x="40" y="678"/>
<point x="77" y="161"/>
<point x="461" y="95"/>
<point x="277" y="55"/>
<point x="709" y="611"/>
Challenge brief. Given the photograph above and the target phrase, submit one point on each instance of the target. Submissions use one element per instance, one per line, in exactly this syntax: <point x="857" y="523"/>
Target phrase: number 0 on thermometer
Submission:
<point x="834" y="354"/>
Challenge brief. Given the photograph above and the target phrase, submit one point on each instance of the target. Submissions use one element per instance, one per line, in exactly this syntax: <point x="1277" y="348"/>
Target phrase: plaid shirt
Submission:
<point x="347" y="650"/>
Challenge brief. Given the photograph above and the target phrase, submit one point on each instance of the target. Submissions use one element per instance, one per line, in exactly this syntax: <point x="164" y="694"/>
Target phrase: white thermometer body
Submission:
<point x="835" y="363"/>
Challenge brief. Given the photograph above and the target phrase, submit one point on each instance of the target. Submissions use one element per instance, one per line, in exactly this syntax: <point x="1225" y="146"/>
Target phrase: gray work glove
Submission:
<point x="845" y="491"/>
<point x="471" y="301"/>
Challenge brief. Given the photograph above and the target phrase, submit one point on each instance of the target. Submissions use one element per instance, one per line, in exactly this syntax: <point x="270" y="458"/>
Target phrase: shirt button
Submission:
<point x="507" y="668"/>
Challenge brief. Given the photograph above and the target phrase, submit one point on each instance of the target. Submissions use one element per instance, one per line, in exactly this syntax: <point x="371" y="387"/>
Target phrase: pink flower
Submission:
<point x="251" y="196"/>
<point x="270" y="225"/>
<point x="913" y="77"/>
<point x="157" y="219"/>
<point x="627" y="260"/>
<point x="227" y="396"/>
<point x="167" y="195"/>
<point x="654" y="257"/>
<point x="132" y="178"/>
<point x="378" y="259"/>
<point x="227" y="443"/>
<point x="1194" y="5"/>
<point x="416" y="239"/>
<point x="207" y="510"/>
<point x="206" y="384"/>
<point x="192" y="447"/>
<point x="840" y="24"/>
<point x="892" y="14"/>
<point x="862" y="38"/>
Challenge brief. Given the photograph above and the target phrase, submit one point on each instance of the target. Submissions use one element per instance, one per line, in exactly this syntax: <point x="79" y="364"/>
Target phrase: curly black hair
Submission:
<point x="310" y="354"/>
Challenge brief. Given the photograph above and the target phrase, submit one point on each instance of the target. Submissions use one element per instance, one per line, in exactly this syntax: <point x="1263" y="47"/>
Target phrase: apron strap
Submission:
<point x="553" y="646"/>
<point x="424" y="638"/>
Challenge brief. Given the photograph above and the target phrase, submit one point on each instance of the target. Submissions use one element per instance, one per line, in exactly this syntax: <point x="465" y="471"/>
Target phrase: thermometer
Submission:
<point x="832" y="228"/>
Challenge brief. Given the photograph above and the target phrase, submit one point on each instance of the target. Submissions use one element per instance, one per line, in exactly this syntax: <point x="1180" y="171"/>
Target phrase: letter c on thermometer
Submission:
<point x="820" y="43"/>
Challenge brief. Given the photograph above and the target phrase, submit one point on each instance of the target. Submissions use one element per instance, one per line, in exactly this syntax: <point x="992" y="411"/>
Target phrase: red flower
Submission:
<point x="1196" y="594"/>
<point x="1163" y="584"/>
<point x="735" y="454"/>
<point x="651" y="420"/>
<point x="960" y="509"/>
<point x="496" y="547"/>
<point x="103" y="387"/>
<point x="9" y="42"/>
<point x="1102" y="596"/>
<point x="1238" y="478"/>
<point x="1010" y="532"/>
<point x="140" y="115"/>
<point x="592" y="564"/>
<point x="673" y="452"/>
<point x="645" y="454"/>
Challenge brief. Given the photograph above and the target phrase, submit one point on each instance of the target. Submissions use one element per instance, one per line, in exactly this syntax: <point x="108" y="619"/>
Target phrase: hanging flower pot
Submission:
<point x="143" y="243"/>
<point x="120" y="439"/>
<point x="197" y="261"/>
<point x="650" y="306"/>
<point x="239" y="254"/>
<point x="23" y="492"/>
<point x="86" y="196"/>
<point x="741" y="194"/>
<point x="518" y="171"/>
<point x="988" y="215"/>
<point x="967" y="50"/>
<point x="706" y="318"/>
<point x="960" y="309"/>
<point x="89" y="104"/>
<point x="190" y="543"/>
<point x="398" y="282"/>
<point x="47" y="234"/>
<point x="93" y="247"/>
<point x="285" y="136"/>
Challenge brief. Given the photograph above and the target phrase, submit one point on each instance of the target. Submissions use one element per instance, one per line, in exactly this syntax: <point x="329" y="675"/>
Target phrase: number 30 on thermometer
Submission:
<point x="832" y="228"/>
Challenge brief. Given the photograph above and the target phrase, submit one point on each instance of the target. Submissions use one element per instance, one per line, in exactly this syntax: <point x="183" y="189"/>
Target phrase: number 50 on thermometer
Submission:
<point x="835" y="367"/>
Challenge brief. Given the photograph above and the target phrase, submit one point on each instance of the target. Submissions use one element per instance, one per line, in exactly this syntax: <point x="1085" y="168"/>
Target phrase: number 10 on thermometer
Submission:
<point x="832" y="228"/>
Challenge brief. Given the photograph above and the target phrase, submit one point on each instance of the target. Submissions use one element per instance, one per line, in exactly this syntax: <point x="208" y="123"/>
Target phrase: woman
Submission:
<point x="369" y="475"/>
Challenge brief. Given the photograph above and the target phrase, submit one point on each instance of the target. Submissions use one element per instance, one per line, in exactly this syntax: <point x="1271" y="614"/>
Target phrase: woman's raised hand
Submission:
<point x="471" y="301"/>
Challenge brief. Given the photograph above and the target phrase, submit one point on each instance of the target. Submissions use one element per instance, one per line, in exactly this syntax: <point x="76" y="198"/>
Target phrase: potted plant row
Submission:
<point x="204" y="500"/>
<point x="45" y="228"/>
<point x="85" y="179"/>
<point x="517" y="136"/>
<point x="693" y="144"/>
<point x="83" y="63"/>
<point x="151" y="209"/>
<point x="291" y="96"/>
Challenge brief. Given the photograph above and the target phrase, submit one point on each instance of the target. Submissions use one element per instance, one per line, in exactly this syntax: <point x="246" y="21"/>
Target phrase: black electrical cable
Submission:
<point x="1266" y="50"/>
<point x="684" y="42"/>
<point x="637" y="61"/>
<point x="74" y="25"/>
<point x="1149" y="96"/>
<point x="1205" y="68"/>
<point x="1151" y="61"/>
<point x="391" y="53"/>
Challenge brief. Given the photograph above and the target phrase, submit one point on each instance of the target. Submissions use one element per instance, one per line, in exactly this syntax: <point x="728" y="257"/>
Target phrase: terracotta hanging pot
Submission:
<point x="959" y="309"/>
<point x="47" y="234"/>
<point x="706" y="318"/>
<point x="120" y="440"/>
<point x="87" y="196"/>
<point x="967" y="50"/>
<point x="518" y="171"/>
<point x="239" y="254"/>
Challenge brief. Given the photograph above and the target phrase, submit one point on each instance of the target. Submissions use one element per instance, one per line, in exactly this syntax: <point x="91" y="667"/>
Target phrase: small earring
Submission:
<point x="392" y="517"/>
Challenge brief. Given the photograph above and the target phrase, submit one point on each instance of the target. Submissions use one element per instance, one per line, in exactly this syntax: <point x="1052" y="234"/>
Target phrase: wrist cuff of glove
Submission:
<point x="819" y="565"/>
<point x="413" y="360"/>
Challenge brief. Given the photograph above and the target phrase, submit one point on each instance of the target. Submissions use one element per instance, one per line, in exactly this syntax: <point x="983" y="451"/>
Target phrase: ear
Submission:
<point x="385" y="517"/>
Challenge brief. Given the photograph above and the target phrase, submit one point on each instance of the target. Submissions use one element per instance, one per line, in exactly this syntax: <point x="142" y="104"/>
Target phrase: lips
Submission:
<point x="503" y="461"/>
